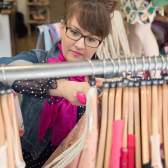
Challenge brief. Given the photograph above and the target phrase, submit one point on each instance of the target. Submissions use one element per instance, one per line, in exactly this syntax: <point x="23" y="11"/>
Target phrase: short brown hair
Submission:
<point x="91" y="15"/>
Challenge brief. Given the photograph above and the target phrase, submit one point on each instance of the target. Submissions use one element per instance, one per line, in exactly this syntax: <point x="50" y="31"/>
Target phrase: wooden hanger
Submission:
<point x="155" y="139"/>
<point x="131" y="136"/>
<point x="131" y="112"/>
<point x="149" y="109"/>
<point x="160" y="112"/>
<point x="103" y="128"/>
<point x="110" y="117"/>
<point x="124" y="150"/>
<point x="165" y="123"/>
<point x="136" y="101"/>
<point x="144" y="127"/>
<point x="155" y="123"/>
<point x="117" y="130"/>
<point x="118" y="104"/>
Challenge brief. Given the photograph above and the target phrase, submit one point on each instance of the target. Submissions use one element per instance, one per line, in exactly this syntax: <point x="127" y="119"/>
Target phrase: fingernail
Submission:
<point x="81" y="97"/>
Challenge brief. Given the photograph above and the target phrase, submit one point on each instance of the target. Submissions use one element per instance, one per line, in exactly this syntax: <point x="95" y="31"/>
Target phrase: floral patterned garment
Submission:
<point x="139" y="11"/>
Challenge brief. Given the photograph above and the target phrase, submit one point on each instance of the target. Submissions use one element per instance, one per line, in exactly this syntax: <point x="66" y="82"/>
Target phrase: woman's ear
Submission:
<point x="62" y="27"/>
<point x="62" y="23"/>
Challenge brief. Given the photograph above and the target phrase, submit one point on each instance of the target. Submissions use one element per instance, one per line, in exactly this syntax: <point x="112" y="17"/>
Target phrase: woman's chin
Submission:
<point x="74" y="58"/>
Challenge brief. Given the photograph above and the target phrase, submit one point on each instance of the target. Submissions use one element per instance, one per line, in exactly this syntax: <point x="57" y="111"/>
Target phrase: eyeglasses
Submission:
<point x="76" y="35"/>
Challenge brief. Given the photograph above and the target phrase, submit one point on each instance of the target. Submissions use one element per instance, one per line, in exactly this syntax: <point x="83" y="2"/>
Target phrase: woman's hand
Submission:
<point x="69" y="90"/>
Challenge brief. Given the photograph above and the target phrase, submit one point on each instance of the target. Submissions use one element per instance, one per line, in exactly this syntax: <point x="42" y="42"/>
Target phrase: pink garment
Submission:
<point x="116" y="144"/>
<point x="131" y="151"/>
<point x="124" y="158"/>
<point x="61" y="116"/>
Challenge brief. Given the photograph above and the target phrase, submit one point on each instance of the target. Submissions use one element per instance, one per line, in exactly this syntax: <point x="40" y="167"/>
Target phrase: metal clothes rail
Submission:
<point x="113" y="67"/>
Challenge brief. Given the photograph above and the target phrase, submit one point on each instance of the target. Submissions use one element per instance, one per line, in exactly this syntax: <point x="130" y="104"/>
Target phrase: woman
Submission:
<point x="86" y="24"/>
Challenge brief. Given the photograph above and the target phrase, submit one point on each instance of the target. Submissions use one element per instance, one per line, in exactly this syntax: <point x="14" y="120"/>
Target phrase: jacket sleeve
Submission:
<point x="21" y="58"/>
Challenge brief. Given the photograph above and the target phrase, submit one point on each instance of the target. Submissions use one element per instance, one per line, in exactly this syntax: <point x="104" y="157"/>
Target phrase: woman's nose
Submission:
<point x="80" y="43"/>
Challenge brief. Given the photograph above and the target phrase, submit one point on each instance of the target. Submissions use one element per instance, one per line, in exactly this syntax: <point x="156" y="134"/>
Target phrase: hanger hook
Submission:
<point x="135" y="64"/>
<point x="167" y="63"/>
<point x="104" y="67"/>
<point x="3" y="73"/>
<point x="118" y="61"/>
<point x="132" y="66"/>
<point x="126" y="60"/>
<point x="150" y="63"/>
<point x="113" y="64"/>
<point x="155" y="65"/>
<point x="163" y="62"/>
<point x="92" y="81"/>
<point x="143" y="62"/>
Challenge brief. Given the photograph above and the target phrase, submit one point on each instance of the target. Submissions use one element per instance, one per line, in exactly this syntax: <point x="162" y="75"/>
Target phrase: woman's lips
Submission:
<point x="76" y="54"/>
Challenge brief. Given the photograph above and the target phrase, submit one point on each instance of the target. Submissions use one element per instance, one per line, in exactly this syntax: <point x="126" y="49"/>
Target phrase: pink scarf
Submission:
<point x="61" y="116"/>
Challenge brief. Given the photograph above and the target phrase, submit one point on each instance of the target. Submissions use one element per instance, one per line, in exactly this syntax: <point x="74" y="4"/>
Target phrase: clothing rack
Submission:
<point x="114" y="67"/>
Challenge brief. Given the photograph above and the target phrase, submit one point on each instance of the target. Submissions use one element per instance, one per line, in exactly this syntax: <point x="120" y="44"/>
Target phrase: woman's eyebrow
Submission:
<point x="89" y="35"/>
<point x="75" y="28"/>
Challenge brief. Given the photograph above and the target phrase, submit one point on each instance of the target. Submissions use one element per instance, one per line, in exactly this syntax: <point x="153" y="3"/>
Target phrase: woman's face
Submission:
<point x="75" y="42"/>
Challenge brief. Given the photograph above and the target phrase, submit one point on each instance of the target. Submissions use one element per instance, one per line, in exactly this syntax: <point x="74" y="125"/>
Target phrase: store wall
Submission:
<point x="5" y="37"/>
<point x="57" y="10"/>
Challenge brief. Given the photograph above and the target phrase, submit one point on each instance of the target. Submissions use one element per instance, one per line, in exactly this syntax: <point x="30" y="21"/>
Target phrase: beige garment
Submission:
<point x="140" y="44"/>
<point x="3" y="145"/>
<point x="72" y="137"/>
<point x="116" y="44"/>
<point x="88" y="154"/>
<point x="19" y="162"/>
<point x="8" y="130"/>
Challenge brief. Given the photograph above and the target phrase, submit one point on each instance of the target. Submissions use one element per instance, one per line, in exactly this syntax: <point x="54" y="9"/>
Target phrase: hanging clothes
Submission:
<point x="83" y="136"/>
<point x="10" y="146"/>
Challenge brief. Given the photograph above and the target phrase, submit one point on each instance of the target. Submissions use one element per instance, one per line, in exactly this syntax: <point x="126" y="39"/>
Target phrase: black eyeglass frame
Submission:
<point x="81" y="36"/>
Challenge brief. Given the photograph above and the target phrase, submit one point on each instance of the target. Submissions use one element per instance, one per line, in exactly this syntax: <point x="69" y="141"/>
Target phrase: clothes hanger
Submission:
<point x="155" y="138"/>
<point x="144" y="126"/>
<point x="103" y="126"/>
<point x="131" y="136"/>
<point x="165" y="113"/>
<point x="117" y="127"/>
<point x="160" y="112"/>
<point x="124" y="150"/>
<point x="136" y="106"/>
<point x="165" y="122"/>
<point x="110" y="117"/>
<point x="125" y="111"/>
<point x="137" y="118"/>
